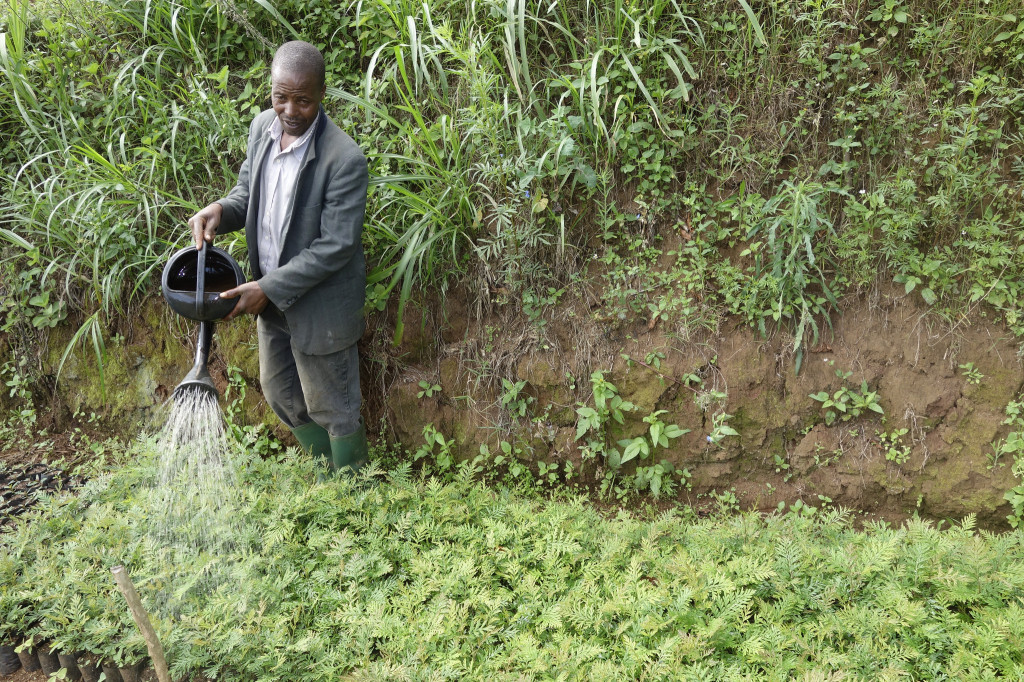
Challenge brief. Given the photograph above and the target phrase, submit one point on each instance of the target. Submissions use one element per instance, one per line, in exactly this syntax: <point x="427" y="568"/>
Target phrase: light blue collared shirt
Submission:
<point x="280" y="173"/>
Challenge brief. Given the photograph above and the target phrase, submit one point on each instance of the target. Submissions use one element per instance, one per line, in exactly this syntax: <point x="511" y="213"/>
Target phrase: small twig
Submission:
<point x="156" y="650"/>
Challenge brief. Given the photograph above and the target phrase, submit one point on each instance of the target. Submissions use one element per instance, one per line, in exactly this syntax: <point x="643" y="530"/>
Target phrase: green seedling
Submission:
<point x="427" y="389"/>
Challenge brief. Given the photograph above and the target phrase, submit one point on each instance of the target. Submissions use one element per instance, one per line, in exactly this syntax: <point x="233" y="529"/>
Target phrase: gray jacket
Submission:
<point x="320" y="284"/>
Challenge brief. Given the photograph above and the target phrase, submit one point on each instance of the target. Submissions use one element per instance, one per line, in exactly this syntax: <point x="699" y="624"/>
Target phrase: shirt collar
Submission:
<point x="276" y="132"/>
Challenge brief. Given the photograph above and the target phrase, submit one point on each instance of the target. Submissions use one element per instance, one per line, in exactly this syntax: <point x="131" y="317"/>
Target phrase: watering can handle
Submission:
<point x="201" y="282"/>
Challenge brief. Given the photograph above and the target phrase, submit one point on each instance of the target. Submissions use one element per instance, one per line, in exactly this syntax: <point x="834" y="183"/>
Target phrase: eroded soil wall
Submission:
<point x="915" y="362"/>
<point x="785" y="450"/>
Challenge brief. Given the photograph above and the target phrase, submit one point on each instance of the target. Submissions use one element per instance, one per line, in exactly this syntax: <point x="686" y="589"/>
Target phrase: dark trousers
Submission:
<point x="303" y="388"/>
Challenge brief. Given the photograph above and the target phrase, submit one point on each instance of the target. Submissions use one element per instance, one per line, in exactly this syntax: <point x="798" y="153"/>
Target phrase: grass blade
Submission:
<point x="754" y="23"/>
<point x="272" y="11"/>
<point x="643" y="89"/>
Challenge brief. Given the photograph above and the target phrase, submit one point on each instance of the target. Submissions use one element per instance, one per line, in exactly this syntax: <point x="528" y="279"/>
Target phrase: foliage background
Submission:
<point x="800" y="147"/>
<point x="664" y="161"/>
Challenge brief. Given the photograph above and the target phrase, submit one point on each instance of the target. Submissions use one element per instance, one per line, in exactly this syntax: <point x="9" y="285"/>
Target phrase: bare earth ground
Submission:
<point x="911" y="358"/>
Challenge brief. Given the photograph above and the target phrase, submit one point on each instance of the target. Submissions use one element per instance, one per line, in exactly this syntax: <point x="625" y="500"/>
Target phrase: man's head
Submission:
<point x="297" y="85"/>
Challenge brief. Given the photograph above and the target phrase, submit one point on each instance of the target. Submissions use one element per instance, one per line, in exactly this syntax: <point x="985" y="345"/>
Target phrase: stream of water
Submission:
<point x="197" y="514"/>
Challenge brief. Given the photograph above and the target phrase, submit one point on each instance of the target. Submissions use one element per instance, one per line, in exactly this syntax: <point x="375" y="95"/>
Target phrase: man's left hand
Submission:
<point x="251" y="300"/>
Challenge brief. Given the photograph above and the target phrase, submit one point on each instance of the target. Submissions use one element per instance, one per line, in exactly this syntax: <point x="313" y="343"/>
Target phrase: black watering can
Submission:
<point x="192" y="282"/>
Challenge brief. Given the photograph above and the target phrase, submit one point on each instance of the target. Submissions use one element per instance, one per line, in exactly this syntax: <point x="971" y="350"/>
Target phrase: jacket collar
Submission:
<point x="318" y="129"/>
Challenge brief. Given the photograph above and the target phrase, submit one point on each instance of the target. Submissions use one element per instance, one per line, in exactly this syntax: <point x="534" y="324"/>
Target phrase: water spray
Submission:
<point x="192" y="282"/>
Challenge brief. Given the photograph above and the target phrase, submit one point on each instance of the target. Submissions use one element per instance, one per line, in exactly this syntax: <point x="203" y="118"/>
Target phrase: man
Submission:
<point x="301" y="197"/>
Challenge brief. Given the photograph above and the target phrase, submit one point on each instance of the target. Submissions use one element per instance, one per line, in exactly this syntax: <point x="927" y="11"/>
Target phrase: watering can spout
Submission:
<point x="198" y="379"/>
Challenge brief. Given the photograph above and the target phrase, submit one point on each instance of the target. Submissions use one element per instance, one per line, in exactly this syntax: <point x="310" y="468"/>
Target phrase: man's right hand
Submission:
<point x="204" y="224"/>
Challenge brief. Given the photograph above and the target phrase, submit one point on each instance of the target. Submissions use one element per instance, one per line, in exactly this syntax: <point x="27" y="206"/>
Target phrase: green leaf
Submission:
<point x="587" y="175"/>
<point x="673" y="431"/>
<point x="754" y="23"/>
<point x="272" y="11"/>
<point x="633" y="448"/>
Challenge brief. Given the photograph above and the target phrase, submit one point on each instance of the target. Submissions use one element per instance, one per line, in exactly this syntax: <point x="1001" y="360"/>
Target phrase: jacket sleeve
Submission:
<point x="236" y="203"/>
<point x="341" y="227"/>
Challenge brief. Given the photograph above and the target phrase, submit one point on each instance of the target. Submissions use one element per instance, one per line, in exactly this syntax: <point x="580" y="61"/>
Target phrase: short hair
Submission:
<point x="299" y="57"/>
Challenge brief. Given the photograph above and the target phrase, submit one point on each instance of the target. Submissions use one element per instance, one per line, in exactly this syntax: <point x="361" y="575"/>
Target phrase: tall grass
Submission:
<point x="124" y="125"/>
<point x="494" y="126"/>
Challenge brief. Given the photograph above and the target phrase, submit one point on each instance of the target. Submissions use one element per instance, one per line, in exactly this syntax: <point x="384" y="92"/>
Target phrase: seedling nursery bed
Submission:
<point x="403" y="574"/>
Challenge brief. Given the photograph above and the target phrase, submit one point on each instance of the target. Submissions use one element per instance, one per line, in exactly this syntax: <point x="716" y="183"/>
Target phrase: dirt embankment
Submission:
<point x="942" y="388"/>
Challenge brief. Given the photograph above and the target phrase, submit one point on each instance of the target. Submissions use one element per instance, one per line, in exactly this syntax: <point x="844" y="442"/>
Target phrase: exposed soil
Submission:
<point x="148" y="675"/>
<point x="22" y="676"/>
<point x="467" y="343"/>
<point x="785" y="450"/>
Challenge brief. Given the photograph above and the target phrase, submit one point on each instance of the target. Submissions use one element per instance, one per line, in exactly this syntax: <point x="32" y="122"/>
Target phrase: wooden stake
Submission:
<point x="156" y="650"/>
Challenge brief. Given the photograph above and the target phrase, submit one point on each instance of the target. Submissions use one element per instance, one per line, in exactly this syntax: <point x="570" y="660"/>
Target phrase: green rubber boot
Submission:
<point x="349" y="452"/>
<point x="315" y="440"/>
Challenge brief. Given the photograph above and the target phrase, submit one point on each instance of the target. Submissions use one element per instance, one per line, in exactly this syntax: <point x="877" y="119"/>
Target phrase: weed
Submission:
<point x="659" y="479"/>
<point x="594" y="423"/>
<point x="1013" y="445"/>
<point x="971" y="373"/>
<point x="443" y="455"/>
<point x="534" y="304"/>
<point x="427" y="389"/>
<point x="789" y="262"/>
<point x="720" y="430"/>
<point x="654" y="359"/>
<point x="781" y="465"/>
<point x="514" y="399"/>
<point x="500" y="138"/>
<point x="847" y="403"/>
<point x="659" y="435"/>
<point x="727" y="501"/>
<point x="19" y="382"/>
<point x="893" y="447"/>
<point x="255" y="438"/>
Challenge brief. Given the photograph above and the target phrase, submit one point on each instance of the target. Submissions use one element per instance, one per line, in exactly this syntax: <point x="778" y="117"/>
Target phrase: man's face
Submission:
<point x="296" y="99"/>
